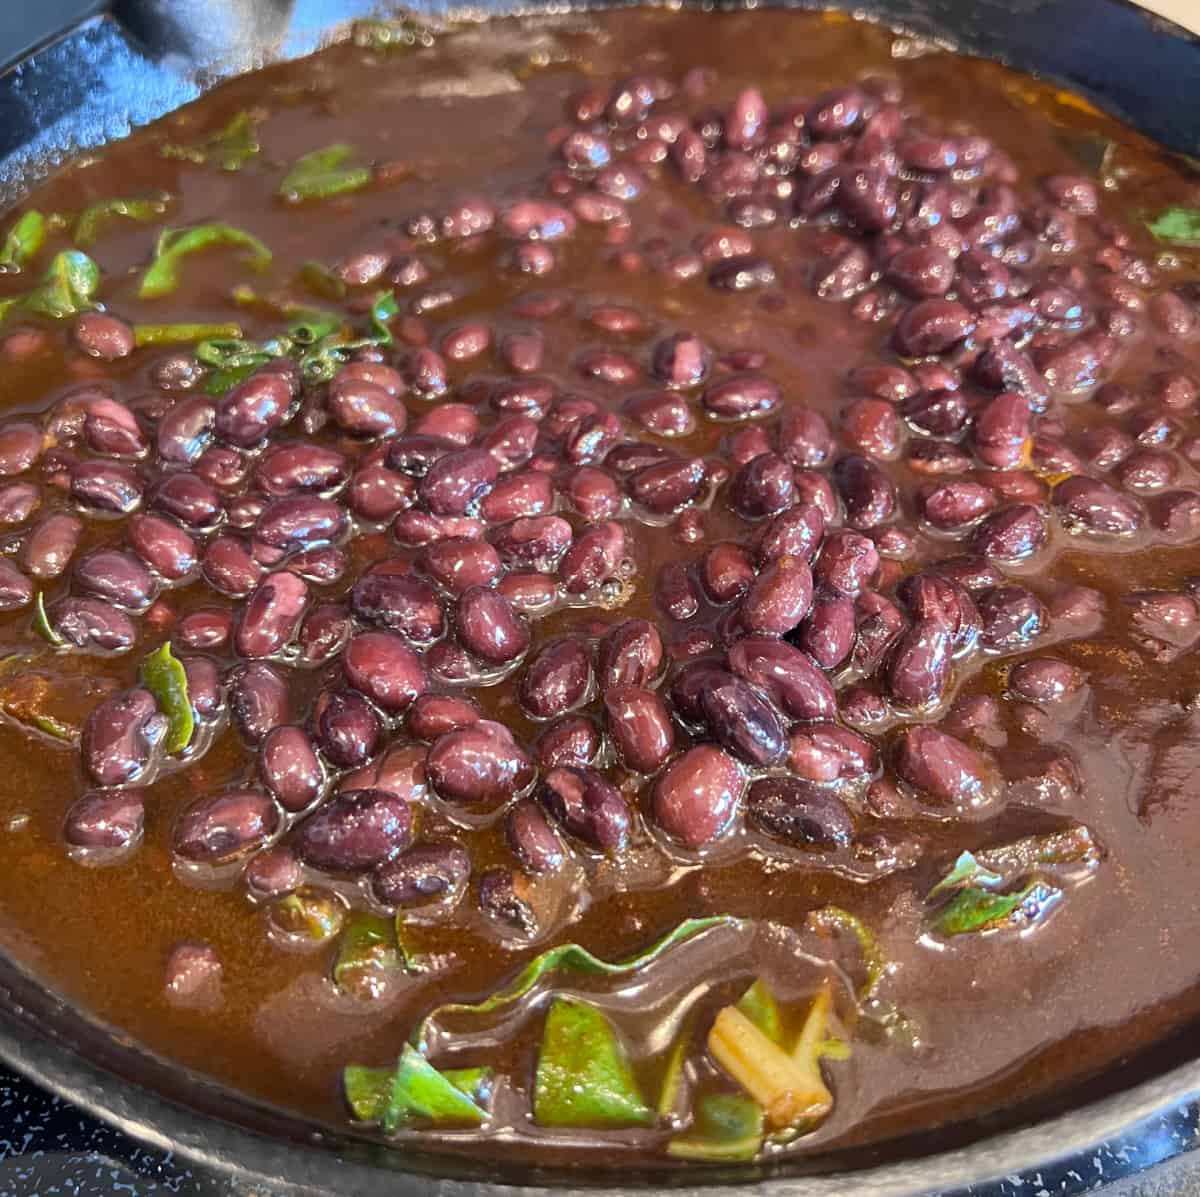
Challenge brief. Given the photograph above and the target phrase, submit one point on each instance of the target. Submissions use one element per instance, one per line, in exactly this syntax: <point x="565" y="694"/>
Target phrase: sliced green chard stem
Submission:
<point x="966" y="871"/>
<point x="1177" y="226"/>
<point x="584" y="1078"/>
<point x="726" y="1128"/>
<point x="323" y="174"/>
<point x="23" y="241"/>
<point x="162" y="276"/>
<point x="320" y="281"/>
<point x="571" y="957"/>
<point x="229" y="149"/>
<point x="369" y="952"/>
<point x="94" y="217"/>
<point x="42" y="624"/>
<point x="670" y="1098"/>
<point x="181" y="334"/>
<point x="758" y="1004"/>
<point x="165" y="677"/>
<point x="370" y="1091"/>
<point x="976" y="909"/>
<point x="836" y="919"/>
<point x="367" y="1091"/>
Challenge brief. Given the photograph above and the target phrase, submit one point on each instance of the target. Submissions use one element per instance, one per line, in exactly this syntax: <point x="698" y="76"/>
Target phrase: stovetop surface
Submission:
<point x="49" y="1148"/>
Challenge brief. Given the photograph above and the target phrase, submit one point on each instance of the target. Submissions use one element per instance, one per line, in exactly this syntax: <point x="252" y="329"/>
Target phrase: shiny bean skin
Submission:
<point x="272" y="873"/>
<point x="557" y="679"/>
<point x="630" y="654"/>
<point x="290" y="768"/>
<point x="1088" y="505"/>
<point x="383" y="667"/>
<point x="229" y="568"/>
<point x="298" y="521"/>
<point x="942" y="767"/>
<point x="824" y="752"/>
<point x="696" y="799"/>
<point x="954" y="504"/>
<point x="225" y="826"/>
<point x="164" y="546"/>
<point x="120" y="737"/>
<point x="433" y="715"/>
<point x="89" y="623"/>
<point x="480" y="763"/>
<point x="661" y="413"/>
<point x="667" y="486"/>
<point x="253" y="409"/>
<point x="106" y="824"/>
<point x="190" y="499"/>
<point x="919" y="668"/>
<point x="743" y="721"/>
<point x="930" y="596"/>
<point x="536" y="542"/>
<point x="399" y="603"/>
<point x="787" y="676"/>
<point x="376" y="493"/>
<point x="803" y="814"/>
<point x="16" y="590"/>
<point x="52" y="543"/>
<point x="675" y="593"/>
<point x="763" y="487"/>
<point x="533" y="839"/>
<point x="258" y="699"/>
<point x="300" y="468"/>
<point x="457" y="564"/>
<point x="1002" y="431"/>
<point x="1044" y="679"/>
<point x="186" y="431"/>
<point x="365" y="409"/>
<point x="779" y="598"/>
<point x="116" y="576"/>
<point x="348" y="728"/>
<point x="456" y="482"/>
<point x="20" y="447"/>
<point x="570" y="740"/>
<point x="588" y="806"/>
<point x="593" y="558"/>
<point x="1011" y="534"/>
<point x="489" y="627"/>
<point x="848" y="563"/>
<point x="355" y="831"/>
<point x="271" y="615"/>
<point x="18" y="501"/>
<point x="1012" y="617"/>
<point x="425" y="873"/>
<point x="827" y="633"/>
<point x="640" y="726"/>
<point x="519" y="496"/>
<point x="593" y="493"/>
<point x="111" y="486"/>
<point x="867" y="492"/>
<point x="741" y="397"/>
<point x="796" y="532"/>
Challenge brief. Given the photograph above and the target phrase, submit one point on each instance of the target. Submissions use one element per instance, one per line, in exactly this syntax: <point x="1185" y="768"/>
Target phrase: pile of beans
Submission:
<point x="375" y="554"/>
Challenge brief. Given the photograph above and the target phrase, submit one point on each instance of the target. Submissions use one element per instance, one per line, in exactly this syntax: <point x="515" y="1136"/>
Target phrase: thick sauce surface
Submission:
<point x="994" y="1018"/>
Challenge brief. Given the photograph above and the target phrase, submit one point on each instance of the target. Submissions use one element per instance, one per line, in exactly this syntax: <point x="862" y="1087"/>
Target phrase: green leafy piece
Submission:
<point x="975" y="909"/>
<point x="758" y="1004"/>
<point x="323" y="174"/>
<point x="967" y="870"/>
<point x="162" y="276"/>
<point x="164" y="676"/>
<point x="307" y="913"/>
<point x="22" y="241"/>
<point x="571" y="957"/>
<point x="367" y="1091"/>
<point x="68" y="286"/>
<point x="420" y="1093"/>
<point x="726" y="1128"/>
<point x="384" y="309"/>
<point x="90" y="221"/>
<point x="1071" y="846"/>
<point x="367" y="953"/>
<point x="674" y="1077"/>
<point x="229" y="148"/>
<point x="1176" y="226"/>
<point x="835" y="918"/>
<point x="180" y="334"/>
<point x="42" y="624"/>
<point x="584" y="1078"/>
<point x="321" y="281"/>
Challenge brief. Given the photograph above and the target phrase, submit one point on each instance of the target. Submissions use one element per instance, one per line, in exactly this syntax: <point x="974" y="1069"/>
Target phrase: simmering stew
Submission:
<point x="610" y="586"/>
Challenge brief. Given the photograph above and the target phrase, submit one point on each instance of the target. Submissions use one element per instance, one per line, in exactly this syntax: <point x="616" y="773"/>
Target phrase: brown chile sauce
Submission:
<point x="1001" y="1018"/>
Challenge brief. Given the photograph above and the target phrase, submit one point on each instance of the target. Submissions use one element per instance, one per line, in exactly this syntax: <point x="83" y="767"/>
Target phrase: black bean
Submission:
<point x="743" y="721"/>
<point x="1012" y="617"/>
<point x="290" y="769"/>
<point x="696" y="798"/>
<point x="354" y="831"/>
<point x="479" y="763"/>
<point x="348" y="728"/>
<point x="272" y="615"/>
<point x="779" y="598"/>
<point x="225" y="826"/>
<point x="258" y="698"/>
<point x="254" y="409"/>
<point x="802" y="813"/>
<point x="533" y="839"/>
<point x="1088" y="505"/>
<point x="190" y="499"/>
<point x="945" y="769"/>
<point x="90" y="623"/>
<point x="557" y="679"/>
<point x="106" y="823"/>
<point x="571" y="740"/>
<point x="424" y="873"/>
<point x="385" y="669"/>
<point x="116" y="576"/>
<point x="501" y="897"/>
<point x="589" y="806"/>
<point x="120" y="737"/>
<point x="919" y="668"/>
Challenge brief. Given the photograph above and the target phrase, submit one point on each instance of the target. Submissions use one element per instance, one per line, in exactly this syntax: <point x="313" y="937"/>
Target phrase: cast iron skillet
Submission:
<point x="83" y="76"/>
